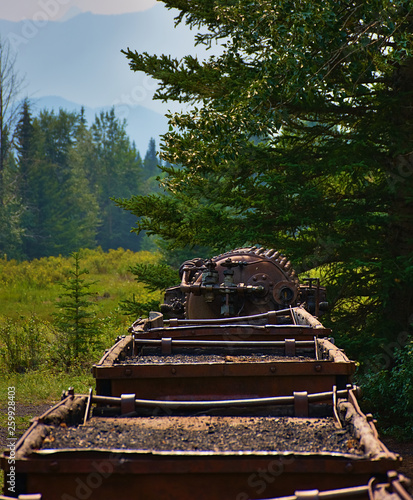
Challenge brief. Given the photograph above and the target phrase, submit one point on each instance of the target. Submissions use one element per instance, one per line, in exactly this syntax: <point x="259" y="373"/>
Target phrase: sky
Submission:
<point x="54" y="10"/>
<point x="71" y="50"/>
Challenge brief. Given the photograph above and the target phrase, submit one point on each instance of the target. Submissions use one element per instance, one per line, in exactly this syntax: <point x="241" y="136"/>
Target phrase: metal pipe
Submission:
<point x="225" y="343"/>
<point x="150" y="403"/>
<point x="201" y="325"/>
<point x="235" y="319"/>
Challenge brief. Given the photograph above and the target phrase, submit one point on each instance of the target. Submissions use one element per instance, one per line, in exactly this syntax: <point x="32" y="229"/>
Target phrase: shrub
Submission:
<point x="389" y="393"/>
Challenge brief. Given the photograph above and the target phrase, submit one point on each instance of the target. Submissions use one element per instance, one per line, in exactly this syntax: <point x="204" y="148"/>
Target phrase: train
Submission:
<point x="233" y="390"/>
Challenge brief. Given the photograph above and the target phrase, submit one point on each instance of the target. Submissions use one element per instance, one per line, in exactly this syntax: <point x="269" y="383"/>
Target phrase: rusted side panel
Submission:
<point x="226" y="378"/>
<point x="231" y="332"/>
<point x="218" y="388"/>
<point x="110" y="477"/>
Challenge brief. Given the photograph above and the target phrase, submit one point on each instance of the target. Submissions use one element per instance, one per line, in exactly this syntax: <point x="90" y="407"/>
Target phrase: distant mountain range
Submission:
<point x="78" y="62"/>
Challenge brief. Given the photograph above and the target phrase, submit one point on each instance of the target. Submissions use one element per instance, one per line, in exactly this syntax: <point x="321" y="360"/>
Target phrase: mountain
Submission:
<point x="142" y="124"/>
<point x="79" y="60"/>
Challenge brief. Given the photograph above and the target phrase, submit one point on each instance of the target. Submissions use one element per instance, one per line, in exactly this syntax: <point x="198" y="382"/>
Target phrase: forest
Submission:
<point x="57" y="179"/>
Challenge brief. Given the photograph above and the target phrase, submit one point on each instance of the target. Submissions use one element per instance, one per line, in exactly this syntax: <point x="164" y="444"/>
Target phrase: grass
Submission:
<point x="35" y="388"/>
<point x="44" y="386"/>
<point x="32" y="288"/>
<point x="29" y="295"/>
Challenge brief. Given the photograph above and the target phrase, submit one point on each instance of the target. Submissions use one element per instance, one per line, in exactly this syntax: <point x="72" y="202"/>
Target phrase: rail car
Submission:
<point x="235" y="390"/>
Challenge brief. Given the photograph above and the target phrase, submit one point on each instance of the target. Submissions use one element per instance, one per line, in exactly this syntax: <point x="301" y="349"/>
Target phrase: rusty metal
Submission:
<point x="127" y="403"/>
<point x="236" y="337"/>
<point x="167" y="344"/>
<point x="290" y="347"/>
<point x="239" y="283"/>
<point x="297" y="315"/>
<point x="269" y="315"/>
<point x="396" y="485"/>
<point x="232" y="376"/>
<point x="184" y="474"/>
<point x="88" y="406"/>
<point x="235" y="332"/>
<point x="336" y="417"/>
<point x="393" y="489"/>
<point x="299" y="399"/>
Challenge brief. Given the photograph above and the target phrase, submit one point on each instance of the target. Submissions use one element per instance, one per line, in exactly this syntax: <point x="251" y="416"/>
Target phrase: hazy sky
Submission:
<point x="52" y="10"/>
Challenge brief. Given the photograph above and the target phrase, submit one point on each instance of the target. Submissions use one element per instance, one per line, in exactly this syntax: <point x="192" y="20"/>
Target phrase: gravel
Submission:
<point x="206" y="433"/>
<point x="208" y="358"/>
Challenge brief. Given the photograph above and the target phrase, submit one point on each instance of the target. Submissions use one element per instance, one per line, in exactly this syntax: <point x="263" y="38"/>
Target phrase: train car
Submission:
<point x="235" y="390"/>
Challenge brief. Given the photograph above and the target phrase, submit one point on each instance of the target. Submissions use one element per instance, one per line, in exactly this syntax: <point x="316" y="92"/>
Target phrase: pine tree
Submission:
<point x="76" y="320"/>
<point x="62" y="209"/>
<point x="116" y="171"/>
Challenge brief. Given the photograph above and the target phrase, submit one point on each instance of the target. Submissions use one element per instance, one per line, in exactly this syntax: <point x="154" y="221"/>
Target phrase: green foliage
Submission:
<point x="75" y="320"/>
<point x="29" y="337"/>
<point x="29" y="287"/>
<point x="158" y="277"/>
<point x="115" y="170"/>
<point x="44" y="385"/>
<point x="390" y="392"/>
<point x="22" y="345"/>
<point x="155" y="276"/>
<point x="57" y="181"/>
<point x="136" y="308"/>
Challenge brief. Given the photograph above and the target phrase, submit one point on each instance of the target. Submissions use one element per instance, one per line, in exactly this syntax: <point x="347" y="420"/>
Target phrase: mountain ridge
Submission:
<point x="79" y="60"/>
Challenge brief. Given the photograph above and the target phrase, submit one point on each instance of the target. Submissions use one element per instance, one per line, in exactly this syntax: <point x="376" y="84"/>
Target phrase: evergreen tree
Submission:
<point x="150" y="167"/>
<point x="75" y="318"/>
<point x="116" y="171"/>
<point x="63" y="213"/>
<point x="300" y="139"/>
<point x="26" y="159"/>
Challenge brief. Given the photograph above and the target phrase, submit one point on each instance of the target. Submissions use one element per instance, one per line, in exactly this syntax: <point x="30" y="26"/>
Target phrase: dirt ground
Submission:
<point x="22" y="419"/>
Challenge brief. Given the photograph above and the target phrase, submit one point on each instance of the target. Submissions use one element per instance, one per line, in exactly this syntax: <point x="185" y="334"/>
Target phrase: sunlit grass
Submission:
<point x="44" y="386"/>
<point x="32" y="288"/>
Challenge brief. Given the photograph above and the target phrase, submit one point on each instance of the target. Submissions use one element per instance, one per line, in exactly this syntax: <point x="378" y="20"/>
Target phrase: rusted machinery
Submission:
<point x="222" y="360"/>
<point x="240" y="283"/>
<point x="235" y="390"/>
